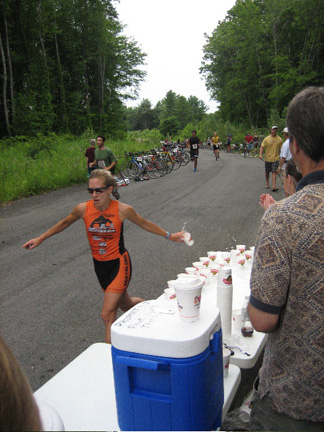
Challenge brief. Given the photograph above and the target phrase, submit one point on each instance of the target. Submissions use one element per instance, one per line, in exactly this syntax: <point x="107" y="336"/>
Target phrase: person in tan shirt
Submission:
<point x="271" y="146"/>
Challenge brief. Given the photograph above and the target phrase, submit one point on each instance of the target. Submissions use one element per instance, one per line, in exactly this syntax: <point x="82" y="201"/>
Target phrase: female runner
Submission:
<point x="103" y="218"/>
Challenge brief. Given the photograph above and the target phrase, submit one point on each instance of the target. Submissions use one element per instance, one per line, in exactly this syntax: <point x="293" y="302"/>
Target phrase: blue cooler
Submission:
<point x="168" y="374"/>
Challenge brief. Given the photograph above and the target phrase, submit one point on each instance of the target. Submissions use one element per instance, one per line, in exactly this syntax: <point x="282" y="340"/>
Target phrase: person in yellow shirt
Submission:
<point x="271" y="146"/>
<point x="216" y="146"/>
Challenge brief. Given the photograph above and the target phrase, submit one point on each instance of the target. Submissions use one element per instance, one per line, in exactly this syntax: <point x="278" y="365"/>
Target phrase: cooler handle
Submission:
<point x="140" y="363"/>
<point x="215" y="341"/>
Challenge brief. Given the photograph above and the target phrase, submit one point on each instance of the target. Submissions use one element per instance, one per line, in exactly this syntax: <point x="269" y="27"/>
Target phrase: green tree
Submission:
<point x="263" y="53"/>
<point x="66" y="66"/>
<point x="169" y="126"/>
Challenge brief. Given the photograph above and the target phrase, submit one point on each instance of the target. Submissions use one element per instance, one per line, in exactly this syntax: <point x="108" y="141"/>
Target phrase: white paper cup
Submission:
<point x="198" y="265"/>
<point x="241" y="261"/>
<point x="226" y="257"/>
<point x="169" y="294"/>
<point x="214" y="270"/>
<point x="188" y="292"/>
<point x="188" y="239"/>
<point x="241" y="248"/>
<point x="212" y="255"/>
<point x="191" y="270"/>
<point x="180" y="275"/>
<point x="237" y="320"/>
<point x="249" y="256"/>
<point x="205" y="275"/>
<point x="171" y="283"/>
<point x="226" y="360"/>
<point x="205" y="261"/>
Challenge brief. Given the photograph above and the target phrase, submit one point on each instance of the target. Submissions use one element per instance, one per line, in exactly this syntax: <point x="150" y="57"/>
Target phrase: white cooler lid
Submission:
<point x="154" y="328"/>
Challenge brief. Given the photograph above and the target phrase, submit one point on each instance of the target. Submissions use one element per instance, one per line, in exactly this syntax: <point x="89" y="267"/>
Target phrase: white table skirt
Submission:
<point x="83" y="393"/>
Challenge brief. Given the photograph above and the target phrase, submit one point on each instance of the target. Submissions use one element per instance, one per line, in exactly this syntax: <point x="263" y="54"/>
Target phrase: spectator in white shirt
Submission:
<point x="285" y="155"/>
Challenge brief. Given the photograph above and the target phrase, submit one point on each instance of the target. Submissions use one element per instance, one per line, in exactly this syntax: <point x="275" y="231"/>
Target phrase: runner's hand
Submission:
<point x="31" y="244"/>
<point x="177" y="237"/>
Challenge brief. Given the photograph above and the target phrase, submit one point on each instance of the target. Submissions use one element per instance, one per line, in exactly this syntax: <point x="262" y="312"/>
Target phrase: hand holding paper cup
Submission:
<point x="187" y="238"/>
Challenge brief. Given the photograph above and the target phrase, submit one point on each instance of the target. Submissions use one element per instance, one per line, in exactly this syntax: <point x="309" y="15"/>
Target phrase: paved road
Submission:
<point x="50" y="299"/>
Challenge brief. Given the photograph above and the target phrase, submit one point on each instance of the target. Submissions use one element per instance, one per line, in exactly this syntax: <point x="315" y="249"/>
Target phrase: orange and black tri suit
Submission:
<point x="105" y="234"/>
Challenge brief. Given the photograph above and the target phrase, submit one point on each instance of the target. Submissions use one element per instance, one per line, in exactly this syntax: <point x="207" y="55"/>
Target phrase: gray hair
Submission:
<point x="305" y="121"/>
<point x="92" y="142"/>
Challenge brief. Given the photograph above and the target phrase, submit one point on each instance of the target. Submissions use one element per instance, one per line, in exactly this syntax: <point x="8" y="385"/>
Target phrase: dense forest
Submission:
<point x="262" y="54"/>
<point x="67" y="67"/>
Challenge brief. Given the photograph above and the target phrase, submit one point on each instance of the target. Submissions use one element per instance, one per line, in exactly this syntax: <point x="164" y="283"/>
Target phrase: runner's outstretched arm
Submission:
<point x="76" y="214"/>
<point x="128" y="212"/>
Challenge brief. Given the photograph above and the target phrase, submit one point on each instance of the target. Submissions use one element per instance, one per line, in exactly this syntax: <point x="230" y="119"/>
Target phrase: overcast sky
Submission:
<point x="171" y="33"/>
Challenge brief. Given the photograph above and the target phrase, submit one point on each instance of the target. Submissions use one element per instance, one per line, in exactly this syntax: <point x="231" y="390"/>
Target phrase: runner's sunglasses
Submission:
<point x="97" y="190"/>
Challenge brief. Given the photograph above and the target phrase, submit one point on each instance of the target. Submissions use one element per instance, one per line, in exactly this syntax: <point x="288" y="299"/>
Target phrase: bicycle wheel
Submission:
<point x="152" y="171"/>
<point x="124" y="169"/>
<point x="185" y="158"/>
<point x="132" y="169"/>
<point x="162" y="167"/>
<point x="176" y="162"/>
<point x="168" y="165"/>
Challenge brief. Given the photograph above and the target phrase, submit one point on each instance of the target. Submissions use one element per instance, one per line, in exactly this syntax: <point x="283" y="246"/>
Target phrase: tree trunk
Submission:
<point x="4" y="88"/>
<point x="248" y="110"/>
<point x="101" y="75"/>
<point x="61" y="83"/>
<point x="11" y="81"/>
<point x="39" y="10"/>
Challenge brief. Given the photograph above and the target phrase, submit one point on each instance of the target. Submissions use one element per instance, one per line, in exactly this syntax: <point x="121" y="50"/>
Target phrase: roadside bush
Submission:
<point x="30" y="166"/>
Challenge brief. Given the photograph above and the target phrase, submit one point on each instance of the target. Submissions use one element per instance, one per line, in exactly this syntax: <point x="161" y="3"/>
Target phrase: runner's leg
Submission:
<point x="111" y="303"/>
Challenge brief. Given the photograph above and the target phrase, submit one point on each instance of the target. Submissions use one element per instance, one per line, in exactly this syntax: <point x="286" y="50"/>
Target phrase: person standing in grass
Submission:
<point x="104" y="157"/>
<point x="249" y="143"/>
<point x="89" y="154"/>
<point x="104" y="218"/>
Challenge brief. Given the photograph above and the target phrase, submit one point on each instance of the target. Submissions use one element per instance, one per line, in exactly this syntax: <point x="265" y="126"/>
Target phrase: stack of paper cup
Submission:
<point x="225" y="299"/>
<point x="188" y="292"/>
